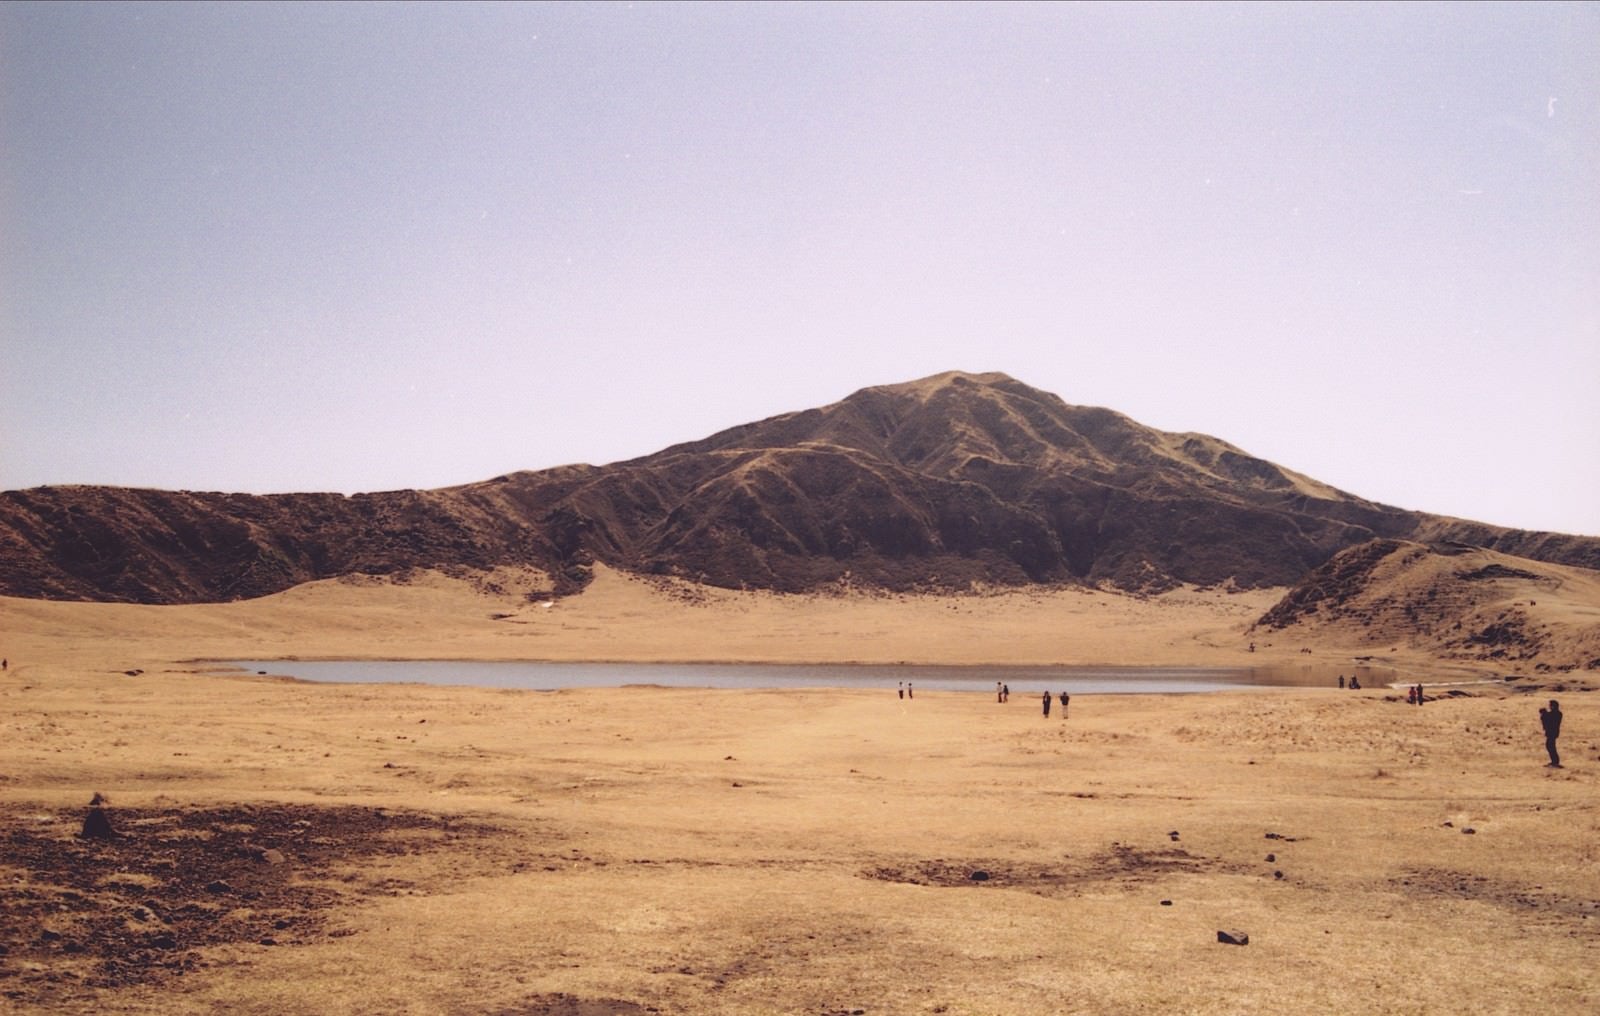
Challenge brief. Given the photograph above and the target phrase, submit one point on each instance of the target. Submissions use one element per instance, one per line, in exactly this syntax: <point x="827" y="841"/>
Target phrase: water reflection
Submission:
<point x="1021" y="680"/>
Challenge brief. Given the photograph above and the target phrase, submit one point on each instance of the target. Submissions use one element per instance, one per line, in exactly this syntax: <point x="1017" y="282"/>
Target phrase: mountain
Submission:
<point x="1450" y="599"/>
<point x="947" y="482"/>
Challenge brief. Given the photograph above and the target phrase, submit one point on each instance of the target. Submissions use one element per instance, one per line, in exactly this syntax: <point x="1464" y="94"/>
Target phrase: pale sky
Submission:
<point x="363" y="247"/>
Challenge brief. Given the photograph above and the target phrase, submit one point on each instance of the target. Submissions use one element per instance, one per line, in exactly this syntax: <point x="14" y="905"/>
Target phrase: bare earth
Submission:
<point x="296" y="848"/>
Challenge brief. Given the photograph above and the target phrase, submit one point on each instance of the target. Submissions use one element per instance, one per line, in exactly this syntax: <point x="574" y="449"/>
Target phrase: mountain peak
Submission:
<point x="926" y="386"/>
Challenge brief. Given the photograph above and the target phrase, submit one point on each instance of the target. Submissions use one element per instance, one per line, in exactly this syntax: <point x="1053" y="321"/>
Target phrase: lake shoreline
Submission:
<point x="972" y="679"/>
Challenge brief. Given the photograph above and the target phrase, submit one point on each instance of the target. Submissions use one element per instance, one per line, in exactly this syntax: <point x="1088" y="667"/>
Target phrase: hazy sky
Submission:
<point x="351" y="247"/>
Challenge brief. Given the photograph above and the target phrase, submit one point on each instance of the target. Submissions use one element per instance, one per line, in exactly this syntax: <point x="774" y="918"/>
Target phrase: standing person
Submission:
<point x="1419" y="694"/>
<point x="902" y="689"/>
<point x="1341" y="682"/>
<point x="1005" y="693"/>
<point x="1064" y="699"/>
<point x="1411" y="695"/>
<point x="1047" y="704"/>
<point x="999" y="695"/>
<point x="1550" y="720"/>
<point x="908" y="690"/>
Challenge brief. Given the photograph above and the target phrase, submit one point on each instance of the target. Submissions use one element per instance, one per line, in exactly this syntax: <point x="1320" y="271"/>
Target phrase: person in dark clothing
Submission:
<point x="1550" y="719"/>
<point x="1005" y="693"/>
<point x="1047" y="705"/>
<point x="1064" y="699"/>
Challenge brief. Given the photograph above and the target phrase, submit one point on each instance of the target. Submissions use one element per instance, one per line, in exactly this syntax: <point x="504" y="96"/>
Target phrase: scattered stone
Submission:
<point x="1274" y="836"/>
<point x="1271" y="858"/>
<point x="1449" y="825"/>
<point x="1468" y="831"/>
<point x="218" y="887"/>
<point x="738" y="784"/>
<point x="1233" y="938"/>
<point x="273" y="856"/>
<point x="1277" y="874"/>
<point x="979" y="876"/>
<point x="1173" y="834"/>
<point x="164" y="941"/>
<point x="96" y="826"/>
<point x="1166" y="903"/>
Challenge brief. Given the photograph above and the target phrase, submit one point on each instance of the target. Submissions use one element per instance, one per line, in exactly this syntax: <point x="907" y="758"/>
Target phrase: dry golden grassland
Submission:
<point x="297" y="848"/>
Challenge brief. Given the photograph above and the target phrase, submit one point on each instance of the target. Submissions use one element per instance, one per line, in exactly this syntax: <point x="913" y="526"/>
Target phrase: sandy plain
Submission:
<point x="297" y="848"/>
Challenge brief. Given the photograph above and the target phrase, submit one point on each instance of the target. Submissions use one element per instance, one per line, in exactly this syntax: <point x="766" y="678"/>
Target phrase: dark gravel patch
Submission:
<point x="77" y="915"/>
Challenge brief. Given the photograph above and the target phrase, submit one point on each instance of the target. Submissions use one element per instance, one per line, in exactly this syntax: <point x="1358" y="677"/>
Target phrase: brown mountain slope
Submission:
<point x="950" y="481"/>
<point x="1452" y="601"/>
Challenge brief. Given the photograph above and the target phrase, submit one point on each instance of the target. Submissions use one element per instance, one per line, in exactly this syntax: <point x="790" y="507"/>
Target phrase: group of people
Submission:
<point x="1002" y="693"/>
<point x="1549" y="717"/>
<point x="1065" y="698"/>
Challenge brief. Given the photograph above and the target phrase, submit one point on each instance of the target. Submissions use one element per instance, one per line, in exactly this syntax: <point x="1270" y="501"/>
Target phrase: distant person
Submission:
<point x="1550" y="719"/>
<point x="1005" y="693"/>
<point x="1411" y="695"/>
<point x="1419" y="694"/>
<point x="1047" y="704"/>
<point x="999" y="692"/>
<point x="1065" y="698"/>
<point x="1355" y="683"/>
<point x="902" y="690"/>
<point x="908" y="690"/>
<point x="1341" y="682"/>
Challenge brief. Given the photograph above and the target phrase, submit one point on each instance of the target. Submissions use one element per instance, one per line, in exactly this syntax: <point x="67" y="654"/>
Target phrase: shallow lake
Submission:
<point x="978" y="680"/>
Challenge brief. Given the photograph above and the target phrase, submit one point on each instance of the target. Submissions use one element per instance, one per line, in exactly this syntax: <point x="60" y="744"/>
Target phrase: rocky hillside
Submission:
<point x="950" y="481"/>
<point x="1452" y="600"/>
